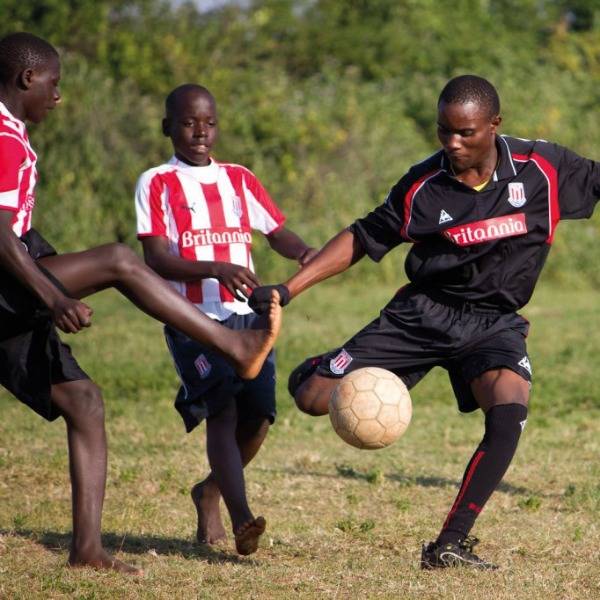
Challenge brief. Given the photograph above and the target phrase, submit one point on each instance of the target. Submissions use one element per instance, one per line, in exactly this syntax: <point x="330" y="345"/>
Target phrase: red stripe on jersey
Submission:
<point x="235" y="177"/>
<point x="155" y="192"/>
<point x="217" y="222"/>
<point x="551" y="175"/>
<point x="408" y="201"/>
<point x="263" y="197"/>
<point x="193" y="290"/>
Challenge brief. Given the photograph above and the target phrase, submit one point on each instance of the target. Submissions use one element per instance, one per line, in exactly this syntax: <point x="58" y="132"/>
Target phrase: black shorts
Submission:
<point x="208" y="381"/>
<point x="415" y="333"/>
<point x="32" y="356"/>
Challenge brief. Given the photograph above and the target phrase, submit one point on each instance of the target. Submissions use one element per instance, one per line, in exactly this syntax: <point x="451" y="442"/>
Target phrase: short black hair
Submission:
<point x="471" y="88"/>
<point x="20" y="51"/>
<point x="174" y="95"/>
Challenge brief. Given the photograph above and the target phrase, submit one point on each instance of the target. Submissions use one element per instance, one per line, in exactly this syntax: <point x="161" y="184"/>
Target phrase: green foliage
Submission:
<point x="328" y="101"/>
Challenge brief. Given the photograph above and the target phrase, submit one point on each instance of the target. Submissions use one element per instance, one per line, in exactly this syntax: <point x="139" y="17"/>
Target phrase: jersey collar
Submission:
<point x="207" y="174"/>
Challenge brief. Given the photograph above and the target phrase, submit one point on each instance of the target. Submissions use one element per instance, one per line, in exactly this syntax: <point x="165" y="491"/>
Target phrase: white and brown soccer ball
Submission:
<point x="370" y="408"/>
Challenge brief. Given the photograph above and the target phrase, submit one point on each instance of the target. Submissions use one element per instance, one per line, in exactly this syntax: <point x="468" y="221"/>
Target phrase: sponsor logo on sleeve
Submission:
<point x="487" y="230"/>
<point x="516" y="194"/>
<point x="203" y="366"/>
<point x="340" y="363"/>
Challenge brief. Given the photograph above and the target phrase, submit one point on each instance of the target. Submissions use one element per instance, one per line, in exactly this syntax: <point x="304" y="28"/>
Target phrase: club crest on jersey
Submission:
<point x="203" y="366"/>
<point x="236" y="203"/>
<point x="524" y="362"/>
<point x="340" y="363"/>
<point x="444" y="217"/>
<point x="516" y="194"/>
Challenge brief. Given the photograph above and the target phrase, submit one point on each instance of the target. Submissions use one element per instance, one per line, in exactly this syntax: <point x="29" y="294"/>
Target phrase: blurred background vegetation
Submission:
<point x="328" y="101"/>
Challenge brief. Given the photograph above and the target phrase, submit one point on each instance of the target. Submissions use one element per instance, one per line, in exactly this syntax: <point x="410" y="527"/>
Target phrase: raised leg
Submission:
<point x="312" y="396"/>
<point x="81" y="405"/>
<point x="116" y="265"/>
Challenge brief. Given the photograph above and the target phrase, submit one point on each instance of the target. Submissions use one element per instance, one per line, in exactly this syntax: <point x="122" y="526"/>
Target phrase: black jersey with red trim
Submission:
<point x="486" y="247"/>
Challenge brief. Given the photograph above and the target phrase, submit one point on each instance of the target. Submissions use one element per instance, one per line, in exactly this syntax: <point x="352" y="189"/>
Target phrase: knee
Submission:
<point x="123" y="260"/>
<point x="83" y="404"/>
<point x="308" y="403"/>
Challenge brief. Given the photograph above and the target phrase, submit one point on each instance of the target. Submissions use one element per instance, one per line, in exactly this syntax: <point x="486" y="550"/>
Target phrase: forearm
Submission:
<point x="288" y="244"/>
<point x="176" y="268"/>
<point x="338" y="254"/>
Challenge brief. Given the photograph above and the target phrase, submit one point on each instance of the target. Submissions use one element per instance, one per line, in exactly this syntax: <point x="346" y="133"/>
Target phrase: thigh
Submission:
<point x="496" y="370"/>
<point x="84" y="273"/>
<point x="500" y="386"/>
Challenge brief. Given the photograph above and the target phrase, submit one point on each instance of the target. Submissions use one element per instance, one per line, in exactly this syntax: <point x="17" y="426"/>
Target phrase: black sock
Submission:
<point x="503" y="426"/>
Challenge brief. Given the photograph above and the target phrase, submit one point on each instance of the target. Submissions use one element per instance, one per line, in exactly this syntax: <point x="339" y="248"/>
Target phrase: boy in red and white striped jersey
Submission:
<point x="195" y="218"/>
<point x="41" y="291"/>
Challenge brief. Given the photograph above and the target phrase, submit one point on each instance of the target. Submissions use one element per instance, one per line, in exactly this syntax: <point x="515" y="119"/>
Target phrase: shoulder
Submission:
<point x="154" y="173"/>
<point x="235" y="170"/>
<point x="525" y="149"/>
<point x="419" y="173"/>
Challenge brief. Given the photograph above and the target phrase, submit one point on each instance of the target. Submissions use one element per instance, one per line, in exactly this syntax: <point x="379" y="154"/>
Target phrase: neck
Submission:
<point x="11" y="100"/>
<point x="479" y="173"/>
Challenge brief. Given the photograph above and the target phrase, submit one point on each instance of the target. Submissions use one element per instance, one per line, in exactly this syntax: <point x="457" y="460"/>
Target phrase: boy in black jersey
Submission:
<point x="483" y="210"/>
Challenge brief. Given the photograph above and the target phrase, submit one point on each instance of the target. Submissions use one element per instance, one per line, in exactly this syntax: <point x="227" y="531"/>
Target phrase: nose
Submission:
<point x="200" y="130"/>
<point x="57" y="96"/>
<point x="453" y="142"/>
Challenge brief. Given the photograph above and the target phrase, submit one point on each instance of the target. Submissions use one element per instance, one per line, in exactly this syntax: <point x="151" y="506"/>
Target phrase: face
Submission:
<point x="42" y="90"/>
<point x="467" y="134"/>
<point x="193" y="127"/>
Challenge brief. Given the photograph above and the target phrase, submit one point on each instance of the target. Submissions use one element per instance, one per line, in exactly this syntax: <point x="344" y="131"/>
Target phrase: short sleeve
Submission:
<point x="578" y="184"/>
<point x="264" y="215"/>
<point x="12" y="156"/>
<point x="381" y="230"/>
<point x="150" y="206"/>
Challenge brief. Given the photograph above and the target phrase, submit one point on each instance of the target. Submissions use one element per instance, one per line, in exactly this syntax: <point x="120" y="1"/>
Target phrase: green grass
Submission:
<point x="342" y="523"/>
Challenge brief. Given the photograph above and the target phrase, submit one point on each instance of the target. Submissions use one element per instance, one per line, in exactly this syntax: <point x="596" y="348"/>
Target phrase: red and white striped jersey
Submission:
<point x="18" y="174"/>
<point x="208" y="214"/>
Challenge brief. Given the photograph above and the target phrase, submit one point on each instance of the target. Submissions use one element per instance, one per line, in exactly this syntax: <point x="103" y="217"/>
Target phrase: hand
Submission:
<point x="307" y="256"/>
<point x="71" y="315"/>
<point x="260" y="299"/>
<point x="237" y="279"/>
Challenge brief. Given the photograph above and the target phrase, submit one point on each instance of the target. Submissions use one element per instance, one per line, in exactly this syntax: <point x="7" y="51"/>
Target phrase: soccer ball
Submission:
<point x="370" y="408"/>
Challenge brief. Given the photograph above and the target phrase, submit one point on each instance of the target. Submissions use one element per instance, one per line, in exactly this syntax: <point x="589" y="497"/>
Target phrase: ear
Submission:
<point x="166" y="125"/>
<point x="496" y="122"/>
<point x="25" y="79"/>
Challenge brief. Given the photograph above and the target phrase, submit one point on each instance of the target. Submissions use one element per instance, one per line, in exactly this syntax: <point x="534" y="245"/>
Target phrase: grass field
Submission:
<point x="342" y="523"/>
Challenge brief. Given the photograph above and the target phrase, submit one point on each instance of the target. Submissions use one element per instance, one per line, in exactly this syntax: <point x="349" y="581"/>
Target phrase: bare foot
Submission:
<point x="257" y="343"/>
<point x="103" y="560"/>
<point x="206" y="497"/>
<point x="247" y="536"/>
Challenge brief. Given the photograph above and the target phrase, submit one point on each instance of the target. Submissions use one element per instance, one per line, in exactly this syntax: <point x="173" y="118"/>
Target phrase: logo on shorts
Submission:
<point x="522" y="424"/>
<point x="516" y="194"/>
<point x="524" y="362"/>
<point x="444" y="217"/>
<point x="339" y="364"/>
<point x="203" y="366"/>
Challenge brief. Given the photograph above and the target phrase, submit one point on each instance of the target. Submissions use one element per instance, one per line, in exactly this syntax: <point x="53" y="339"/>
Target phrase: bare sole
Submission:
<point x="246" y="538"/>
